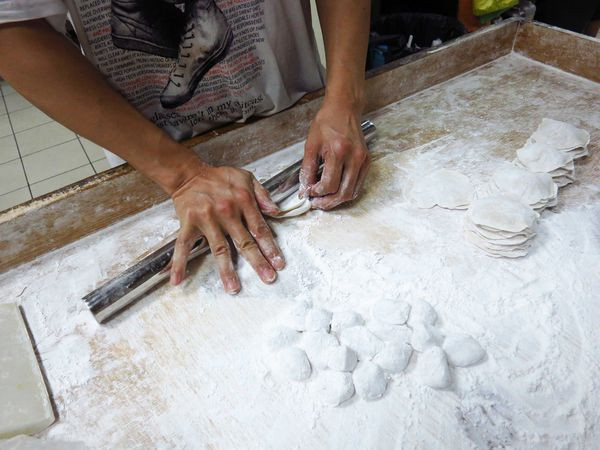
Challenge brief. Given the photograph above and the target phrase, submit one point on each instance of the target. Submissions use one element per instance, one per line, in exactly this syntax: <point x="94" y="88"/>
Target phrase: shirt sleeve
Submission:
<point x="19" y="10"/>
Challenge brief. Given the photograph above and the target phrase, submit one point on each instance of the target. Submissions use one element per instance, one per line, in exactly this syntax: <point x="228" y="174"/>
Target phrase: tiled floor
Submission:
<point x="37" y="154"/>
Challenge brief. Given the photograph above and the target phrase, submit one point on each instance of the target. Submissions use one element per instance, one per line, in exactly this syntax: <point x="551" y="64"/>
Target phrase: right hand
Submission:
<point x="216" y="202"/>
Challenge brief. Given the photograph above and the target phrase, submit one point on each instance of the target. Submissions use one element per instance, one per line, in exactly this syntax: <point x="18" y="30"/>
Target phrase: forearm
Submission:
<point x="50" y="72"/>
<point x="345" y="25"/>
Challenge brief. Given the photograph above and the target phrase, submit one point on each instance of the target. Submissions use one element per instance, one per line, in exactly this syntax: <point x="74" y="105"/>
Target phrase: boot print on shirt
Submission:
<point x="205" y="42"/>
<point x="149" y="26"/>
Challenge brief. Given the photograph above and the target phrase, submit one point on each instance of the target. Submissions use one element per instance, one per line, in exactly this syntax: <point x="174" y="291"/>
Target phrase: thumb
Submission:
<point x="266" y="205"/>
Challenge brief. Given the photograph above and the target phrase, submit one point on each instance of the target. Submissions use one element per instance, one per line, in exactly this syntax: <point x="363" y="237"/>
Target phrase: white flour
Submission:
<point x="182" y="367"/>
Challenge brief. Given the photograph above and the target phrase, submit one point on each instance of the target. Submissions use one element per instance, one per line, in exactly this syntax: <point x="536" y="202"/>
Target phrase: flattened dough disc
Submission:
<point x="293" y="206"/>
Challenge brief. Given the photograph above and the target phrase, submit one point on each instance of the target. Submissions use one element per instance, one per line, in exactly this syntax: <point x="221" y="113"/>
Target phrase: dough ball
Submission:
<point x="292" y="363"/>
<point x="369" y="381"/>
<point x="424" y="336"/>
<point x="422" y="312"/>
<point x="279" y="337"/>
<point x="389" y="333"/>
<point x="432" y="368"/>
<point x="393" y="358"/>
<point x="333" y="388"/>
<point x="463" y="351"/>
<point x="295" y="316"/>
<point x="394" y="312"/>
<point x="317" y="345"/>
<point x="342" y="358"/>
<point x="362" y="341"/>
<point x="345" y="319"/>
<point x="317" y="319"/>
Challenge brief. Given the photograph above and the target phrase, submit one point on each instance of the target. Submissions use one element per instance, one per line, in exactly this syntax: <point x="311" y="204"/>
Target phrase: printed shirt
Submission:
<point x="192" y="65"/>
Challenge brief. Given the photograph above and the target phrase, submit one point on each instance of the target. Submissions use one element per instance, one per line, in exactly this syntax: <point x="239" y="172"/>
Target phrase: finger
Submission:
<point x="219" y="247"/>
<point x="309" y="168"/>
<point x="346" y="191"/>
<point x="362" y="176"/>
<point x="187" y="236"/>
<point x="263" y="199"/>
<point x="331" y="177"/>
<point x="249" y="249"/>
<point x="263" y="236"/>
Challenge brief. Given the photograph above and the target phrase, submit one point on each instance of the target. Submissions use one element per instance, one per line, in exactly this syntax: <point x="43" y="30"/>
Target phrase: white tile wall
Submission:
<point x="37" y="154"/>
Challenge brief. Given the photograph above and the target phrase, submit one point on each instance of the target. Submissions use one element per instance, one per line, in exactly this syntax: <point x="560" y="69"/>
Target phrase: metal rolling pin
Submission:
<point x="119" y="292"/>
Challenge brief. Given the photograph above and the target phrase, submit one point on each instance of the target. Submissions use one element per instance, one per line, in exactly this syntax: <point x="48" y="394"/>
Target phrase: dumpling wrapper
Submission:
<point x="293" y="206"/>
<point x="539" y="157"/>
<point x="503" y="212"/>
<point x="531" y="187"/>
<point x="497" y="238"/>
<point x="445" y="188"/>
<point x="560" y="135"/>
<point x="509" y="253"/>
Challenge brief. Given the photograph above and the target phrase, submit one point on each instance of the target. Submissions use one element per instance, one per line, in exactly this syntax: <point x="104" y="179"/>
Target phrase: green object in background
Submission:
<point x="491" y="16"/>
<point x="485" y="7"/>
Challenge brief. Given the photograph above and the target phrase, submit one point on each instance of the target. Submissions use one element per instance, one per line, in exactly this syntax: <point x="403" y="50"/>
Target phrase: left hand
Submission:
<point x="335" y="137"/>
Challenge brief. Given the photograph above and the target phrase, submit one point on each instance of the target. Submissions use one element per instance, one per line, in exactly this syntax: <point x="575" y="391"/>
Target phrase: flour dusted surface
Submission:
<point x="183" y="366"/>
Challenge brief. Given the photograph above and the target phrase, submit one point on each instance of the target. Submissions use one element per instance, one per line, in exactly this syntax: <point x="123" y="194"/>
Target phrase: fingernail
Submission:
<point x="232" y="286"/>
<point x="278" y="262"/>
<point x="268" y="275"/>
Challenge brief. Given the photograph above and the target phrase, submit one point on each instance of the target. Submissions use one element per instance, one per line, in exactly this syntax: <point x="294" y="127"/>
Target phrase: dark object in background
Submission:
<point x="441" y="7"/>
<point x="397" y="35"/>
<point x="571" y="15"/>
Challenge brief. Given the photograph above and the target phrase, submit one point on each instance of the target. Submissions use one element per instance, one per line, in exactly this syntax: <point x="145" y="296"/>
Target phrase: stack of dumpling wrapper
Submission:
<point x="501" y="225"/>
<point x="502" y="220"/>
<point x="538" y="190"/>
<point x="552" y="149"/>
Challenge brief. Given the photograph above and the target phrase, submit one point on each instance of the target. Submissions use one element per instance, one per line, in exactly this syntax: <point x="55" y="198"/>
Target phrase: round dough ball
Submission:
<point x="394" y="312"/>
<point x="422" y="312"/>
<point x="463" y="351"/>
<point x="369" y="381"/>
<point x="342" y="358"/>
<point x="294" y="316"/>
<point x="389" y="333"/>
<point x="317" y="319"/>
<point x="333" y="388"/>
<point x="393" y="358"/>
<point x="362" y="341"/>
<point x="292" y="363"/>
<point x="317" y="345"/>
<point x="424" y="336"/>
<point x="432" y="368"/>
<point x="279" y="337"/>
<point x="345" y="319"/>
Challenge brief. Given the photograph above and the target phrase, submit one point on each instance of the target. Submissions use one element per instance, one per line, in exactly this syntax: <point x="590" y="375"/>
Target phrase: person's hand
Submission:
<point x="217" y="202"/>
<point x="335" y="138"/>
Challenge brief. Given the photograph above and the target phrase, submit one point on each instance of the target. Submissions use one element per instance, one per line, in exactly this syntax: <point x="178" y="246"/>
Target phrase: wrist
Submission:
<point x="351" y="100"/>
<point x="172" y="165"/>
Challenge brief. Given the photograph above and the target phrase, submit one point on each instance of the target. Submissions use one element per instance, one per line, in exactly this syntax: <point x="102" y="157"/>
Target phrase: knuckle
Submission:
<point x="261" y="231"/>
<point x="221" y="249"/>
<point x="247" y="245"/>
<point x="341" y="147"/>
<point x="204" y="212"/>
<point x="243" y="197"/>
<point x="224" y="208"/>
